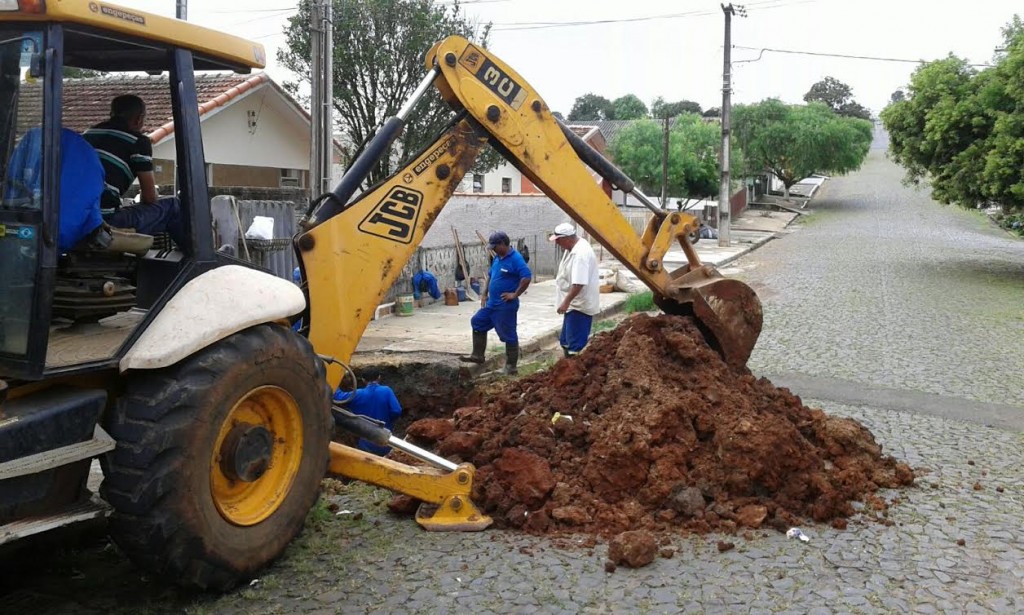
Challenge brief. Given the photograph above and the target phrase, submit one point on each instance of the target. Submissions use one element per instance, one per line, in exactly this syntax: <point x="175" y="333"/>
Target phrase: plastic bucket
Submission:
<point x="475" y="285"/>
<point x="403" y="305"/>
<point x="461" y="293"/>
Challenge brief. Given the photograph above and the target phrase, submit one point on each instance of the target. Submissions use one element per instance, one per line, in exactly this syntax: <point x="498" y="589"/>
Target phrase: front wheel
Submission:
<point x="219" y="457"/>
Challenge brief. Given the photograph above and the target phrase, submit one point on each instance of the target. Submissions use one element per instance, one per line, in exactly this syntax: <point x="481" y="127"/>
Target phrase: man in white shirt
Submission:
<point x="577" y="292"/>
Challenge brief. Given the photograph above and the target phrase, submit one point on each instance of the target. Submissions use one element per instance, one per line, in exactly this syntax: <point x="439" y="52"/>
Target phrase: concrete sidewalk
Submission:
<point x="438" y="328"/>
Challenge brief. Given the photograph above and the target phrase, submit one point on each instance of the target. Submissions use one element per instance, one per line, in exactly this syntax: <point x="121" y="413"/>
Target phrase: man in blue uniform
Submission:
<point x="499" y="304"/>
<point x="376" y="401"/>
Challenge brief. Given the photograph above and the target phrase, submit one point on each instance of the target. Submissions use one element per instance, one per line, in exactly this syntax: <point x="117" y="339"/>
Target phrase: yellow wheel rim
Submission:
<point x="256" y="455"/>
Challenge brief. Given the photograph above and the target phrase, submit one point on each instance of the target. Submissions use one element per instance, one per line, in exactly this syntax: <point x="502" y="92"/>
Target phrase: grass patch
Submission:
<point x="604" y="325"/>
<point x="640" y="302"/>
<point x="527" y="369"/>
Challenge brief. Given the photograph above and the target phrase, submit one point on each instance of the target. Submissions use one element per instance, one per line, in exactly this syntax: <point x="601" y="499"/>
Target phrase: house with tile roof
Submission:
<point x="254" y="133"/>
<point x="506" y="179"/>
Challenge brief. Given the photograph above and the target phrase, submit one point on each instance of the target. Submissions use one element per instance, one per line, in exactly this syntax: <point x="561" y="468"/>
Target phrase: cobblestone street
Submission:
<point x="914" y="307"/>
<point x="882" y="286"/>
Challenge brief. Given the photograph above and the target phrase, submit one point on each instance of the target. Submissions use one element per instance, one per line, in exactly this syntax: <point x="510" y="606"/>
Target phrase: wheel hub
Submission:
<point x="246" y="452"/>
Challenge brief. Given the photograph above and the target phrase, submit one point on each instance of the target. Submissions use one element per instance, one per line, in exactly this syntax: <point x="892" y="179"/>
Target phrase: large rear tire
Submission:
<point x="219" y="457"/>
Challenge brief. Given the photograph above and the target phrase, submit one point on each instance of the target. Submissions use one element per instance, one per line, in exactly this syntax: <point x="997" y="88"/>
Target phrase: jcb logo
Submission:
<point x="394" y="217"/>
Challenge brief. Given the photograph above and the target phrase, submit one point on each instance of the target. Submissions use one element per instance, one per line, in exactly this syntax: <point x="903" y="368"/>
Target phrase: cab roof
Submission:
<point x="115" y="38"/>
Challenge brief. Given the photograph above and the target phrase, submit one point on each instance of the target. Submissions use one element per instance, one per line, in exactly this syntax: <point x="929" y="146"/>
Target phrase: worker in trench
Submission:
<point x="376" y="401"/>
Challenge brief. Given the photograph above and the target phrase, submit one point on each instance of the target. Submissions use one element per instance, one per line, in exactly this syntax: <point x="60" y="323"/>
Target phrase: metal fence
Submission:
<point x="232" y="217"/>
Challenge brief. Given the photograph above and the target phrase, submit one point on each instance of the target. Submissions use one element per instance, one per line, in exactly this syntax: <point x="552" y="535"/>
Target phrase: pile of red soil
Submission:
<point x="662" y="435"/>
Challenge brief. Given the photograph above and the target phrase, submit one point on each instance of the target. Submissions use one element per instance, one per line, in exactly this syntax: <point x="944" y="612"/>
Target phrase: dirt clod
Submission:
<point x="724" y="546"/>
<point x="664" y="436"/>
<point x="634" y="549"/>
<point x="961" y="542"/>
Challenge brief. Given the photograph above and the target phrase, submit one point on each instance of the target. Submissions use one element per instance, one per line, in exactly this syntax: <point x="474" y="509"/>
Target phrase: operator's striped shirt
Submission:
<point x="124" y="154"/>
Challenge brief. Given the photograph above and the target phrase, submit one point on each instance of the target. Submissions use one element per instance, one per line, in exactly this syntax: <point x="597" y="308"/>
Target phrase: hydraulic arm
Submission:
<point x="353" y="249"/>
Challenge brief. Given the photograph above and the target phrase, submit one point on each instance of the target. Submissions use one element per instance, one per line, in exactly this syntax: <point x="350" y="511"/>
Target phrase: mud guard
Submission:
<point x="209" y="308"/>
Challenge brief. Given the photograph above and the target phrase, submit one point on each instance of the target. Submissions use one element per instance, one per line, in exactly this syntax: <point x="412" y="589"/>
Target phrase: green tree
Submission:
<point x="961" y="129"/>
<point x="795" y="142"/>
<point x="593" y="107"/>
<point x="378" y="61"/>
<point x="940" y="131"/>
<point x="837" y="96"/>
<point x="661" y="109"/>
<point x="692" y="161"/>
<point x="628" y="107"/>
<point x="713" y="112"/>
<point x="897" y="96"/>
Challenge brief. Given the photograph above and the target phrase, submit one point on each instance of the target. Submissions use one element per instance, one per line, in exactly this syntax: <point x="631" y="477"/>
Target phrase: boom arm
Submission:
<point x="353" y="254"/>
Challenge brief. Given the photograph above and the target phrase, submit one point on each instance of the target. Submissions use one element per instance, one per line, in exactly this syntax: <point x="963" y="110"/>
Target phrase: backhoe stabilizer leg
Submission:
<point x="446" y="507"/>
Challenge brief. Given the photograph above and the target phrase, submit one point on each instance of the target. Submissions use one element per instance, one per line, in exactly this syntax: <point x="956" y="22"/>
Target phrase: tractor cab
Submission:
<point x="70" y="303"/>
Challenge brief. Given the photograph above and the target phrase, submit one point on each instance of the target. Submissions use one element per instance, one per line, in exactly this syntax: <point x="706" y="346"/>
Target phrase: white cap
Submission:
<point x="563" y="230"/>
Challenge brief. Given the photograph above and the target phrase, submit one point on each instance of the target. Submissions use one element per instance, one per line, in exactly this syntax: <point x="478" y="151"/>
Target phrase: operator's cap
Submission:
<point x="563" y="230"/>
<point x="498" y="237"/>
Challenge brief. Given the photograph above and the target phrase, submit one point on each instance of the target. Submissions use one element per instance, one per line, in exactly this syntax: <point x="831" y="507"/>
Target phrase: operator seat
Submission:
<point x="96" y="269"/>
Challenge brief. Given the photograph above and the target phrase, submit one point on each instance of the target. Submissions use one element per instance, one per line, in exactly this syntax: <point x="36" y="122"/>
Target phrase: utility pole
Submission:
<point x="181" y="10"/>
<point x="327" y="90"/>
<point x="321" y="28"/>
<point x="664" y="167"/>
<point x="724" y="207"/>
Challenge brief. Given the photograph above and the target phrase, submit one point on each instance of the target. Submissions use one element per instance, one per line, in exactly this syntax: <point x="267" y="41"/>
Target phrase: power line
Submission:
<point x="830" y="55"/>
<point x="543" y="25"/>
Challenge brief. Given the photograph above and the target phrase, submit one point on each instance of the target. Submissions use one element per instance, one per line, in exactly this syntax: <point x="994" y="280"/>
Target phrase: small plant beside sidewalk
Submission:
<point x="1012" y="221"/>
<point x="640" y="302"/>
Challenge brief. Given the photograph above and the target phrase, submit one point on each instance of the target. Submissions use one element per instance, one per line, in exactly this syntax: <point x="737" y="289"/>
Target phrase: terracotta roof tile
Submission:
<point x="87" y="101"/>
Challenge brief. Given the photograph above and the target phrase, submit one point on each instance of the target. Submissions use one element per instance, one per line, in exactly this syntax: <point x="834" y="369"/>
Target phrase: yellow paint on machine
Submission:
<point x="352" y="259"/>
<point x="183" y="34"/>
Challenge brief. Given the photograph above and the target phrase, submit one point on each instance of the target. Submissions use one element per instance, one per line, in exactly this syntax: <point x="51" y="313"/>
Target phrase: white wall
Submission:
<point x="280" y="138"/>
<point x="492" y="180"/>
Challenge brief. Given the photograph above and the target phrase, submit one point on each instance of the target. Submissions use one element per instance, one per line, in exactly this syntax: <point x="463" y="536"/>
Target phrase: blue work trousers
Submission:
<point x="164" y="216"/>
<point x="575" y="331"/>
<point x="502" y="319"/>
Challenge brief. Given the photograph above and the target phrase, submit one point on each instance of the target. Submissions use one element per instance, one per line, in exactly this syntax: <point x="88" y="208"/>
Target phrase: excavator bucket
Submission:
<point x="727" y="311"/>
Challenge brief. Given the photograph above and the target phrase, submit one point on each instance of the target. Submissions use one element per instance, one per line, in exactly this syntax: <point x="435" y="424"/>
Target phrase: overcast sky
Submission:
<point x="673" y="48"/>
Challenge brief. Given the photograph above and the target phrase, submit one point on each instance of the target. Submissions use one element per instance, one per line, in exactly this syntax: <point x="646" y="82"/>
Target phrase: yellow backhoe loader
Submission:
<point x="179" y="369"/>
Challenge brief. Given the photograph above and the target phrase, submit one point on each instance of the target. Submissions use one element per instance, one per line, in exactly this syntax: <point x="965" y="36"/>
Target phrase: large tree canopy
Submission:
<point x="378" y="62"/>
<point x="837" y="96"/>
<point x="593" y="107"/>
<point x="660" y="108"/>
<point x="692" y="160"/>
<point x="961" y="129"/>
<point x="628" y="107"/>
<point x="795" y="142"/>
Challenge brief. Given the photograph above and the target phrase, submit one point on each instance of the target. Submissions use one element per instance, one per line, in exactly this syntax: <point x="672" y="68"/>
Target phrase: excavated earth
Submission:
<point x="648" y="429"/>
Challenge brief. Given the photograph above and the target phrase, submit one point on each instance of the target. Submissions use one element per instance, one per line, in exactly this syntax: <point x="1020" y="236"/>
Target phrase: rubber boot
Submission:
<point x="511" y="359"/>
<point x="479" y="346"/>
<point x="565" y="352"/>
